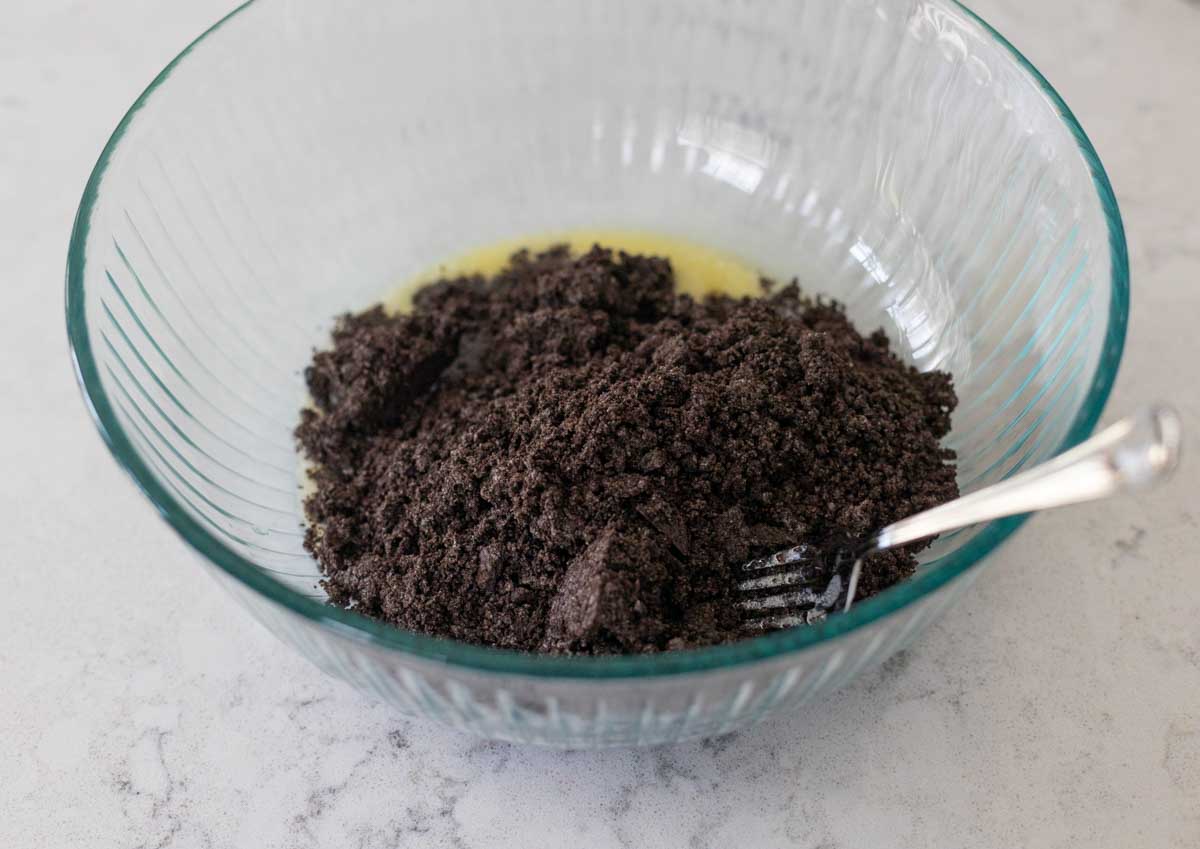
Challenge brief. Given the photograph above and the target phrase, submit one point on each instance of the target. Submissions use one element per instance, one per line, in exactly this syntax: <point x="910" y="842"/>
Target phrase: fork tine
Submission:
<point x="770" y="582"/>
<point x="790" y="620"/>
<point x="779" y="558"/>
<point x="799" y="598"/>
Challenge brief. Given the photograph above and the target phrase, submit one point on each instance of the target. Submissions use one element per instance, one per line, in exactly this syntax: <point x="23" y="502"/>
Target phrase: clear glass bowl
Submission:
<point x="304" y="156"/>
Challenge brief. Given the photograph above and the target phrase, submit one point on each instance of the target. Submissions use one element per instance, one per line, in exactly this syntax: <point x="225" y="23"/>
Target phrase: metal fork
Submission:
<point x="803" y="584"/>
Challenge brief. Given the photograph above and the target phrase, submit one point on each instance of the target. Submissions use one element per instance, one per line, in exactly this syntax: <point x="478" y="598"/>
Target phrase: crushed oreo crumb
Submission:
<point x="572" y="458"/>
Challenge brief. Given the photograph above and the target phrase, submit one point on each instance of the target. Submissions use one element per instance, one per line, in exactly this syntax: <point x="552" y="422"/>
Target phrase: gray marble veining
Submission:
<point x="1057" y="706"/>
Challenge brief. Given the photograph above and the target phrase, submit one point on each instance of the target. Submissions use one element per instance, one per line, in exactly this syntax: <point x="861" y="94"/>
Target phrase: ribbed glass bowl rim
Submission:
<point x="367" y="631"/>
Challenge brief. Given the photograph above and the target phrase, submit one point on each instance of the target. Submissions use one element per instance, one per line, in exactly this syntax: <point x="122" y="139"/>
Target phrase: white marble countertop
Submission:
<point x="1057" y="706"/>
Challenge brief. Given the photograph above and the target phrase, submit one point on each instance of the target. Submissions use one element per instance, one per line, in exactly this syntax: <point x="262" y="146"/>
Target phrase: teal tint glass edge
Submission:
<point x="498" y="661"/>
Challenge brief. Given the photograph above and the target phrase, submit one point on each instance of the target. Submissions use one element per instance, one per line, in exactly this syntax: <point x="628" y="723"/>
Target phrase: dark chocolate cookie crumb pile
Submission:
<point x="571" y="457"/>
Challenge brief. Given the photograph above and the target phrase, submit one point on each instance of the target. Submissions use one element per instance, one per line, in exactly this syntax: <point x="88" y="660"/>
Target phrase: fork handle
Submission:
<point x="1134" y="453"/>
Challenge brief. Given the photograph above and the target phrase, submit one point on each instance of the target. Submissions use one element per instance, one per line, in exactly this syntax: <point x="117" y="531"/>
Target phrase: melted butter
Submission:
<point x="699" y="270"/>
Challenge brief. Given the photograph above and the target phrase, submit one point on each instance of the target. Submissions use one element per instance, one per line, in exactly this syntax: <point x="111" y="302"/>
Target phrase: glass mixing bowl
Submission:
<point x="303" y="157"/>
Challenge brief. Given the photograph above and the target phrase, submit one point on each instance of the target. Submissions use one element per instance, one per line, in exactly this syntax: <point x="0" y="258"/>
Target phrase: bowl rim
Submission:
<point x="501" y="661"/>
